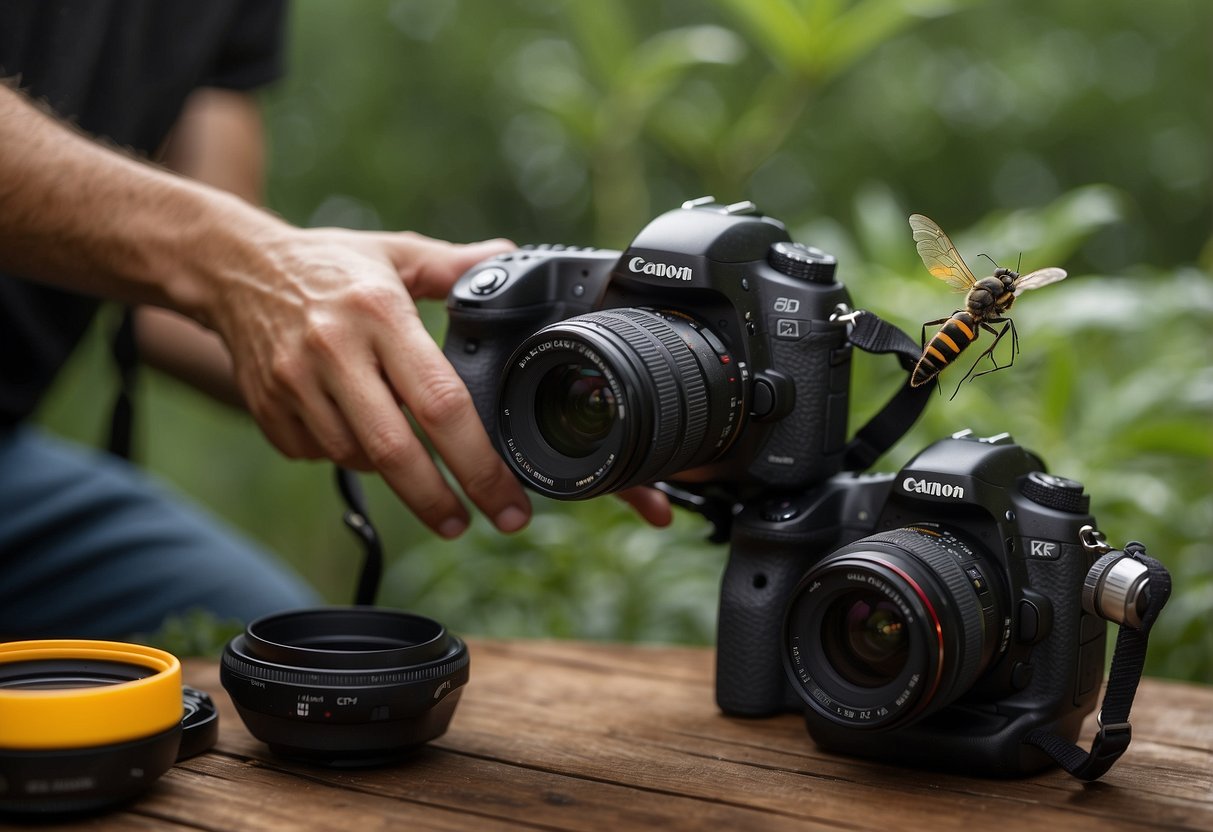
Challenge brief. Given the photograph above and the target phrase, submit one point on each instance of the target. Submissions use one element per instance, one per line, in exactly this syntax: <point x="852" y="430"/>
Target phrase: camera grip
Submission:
<point x="805" y="447"/>
<point x="750" y="675"/>
<point x="479" y="343"/>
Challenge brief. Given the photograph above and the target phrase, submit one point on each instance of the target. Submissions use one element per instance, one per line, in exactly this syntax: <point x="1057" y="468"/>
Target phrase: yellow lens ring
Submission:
<point x="87" y="716"/>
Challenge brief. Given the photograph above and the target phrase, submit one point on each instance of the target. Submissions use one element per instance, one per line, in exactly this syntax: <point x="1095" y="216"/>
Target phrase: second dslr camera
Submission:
<point x="705" y="353"/>
<point x="936" y="617"/>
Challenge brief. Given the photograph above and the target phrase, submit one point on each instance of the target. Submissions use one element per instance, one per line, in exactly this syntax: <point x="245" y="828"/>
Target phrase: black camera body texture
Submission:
<point x="750" y="303"/>
<point x="1038" y="663"/>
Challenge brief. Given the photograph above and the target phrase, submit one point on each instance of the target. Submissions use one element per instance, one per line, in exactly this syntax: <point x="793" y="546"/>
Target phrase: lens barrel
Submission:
<point x="615" y="398"/>
<point x="345" y="686"/>
<point x="85" y="724"/>
<point x="892" y="627"/>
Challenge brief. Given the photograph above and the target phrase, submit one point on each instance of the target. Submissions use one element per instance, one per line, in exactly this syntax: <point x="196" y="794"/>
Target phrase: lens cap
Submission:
<point x="199" y="725"/>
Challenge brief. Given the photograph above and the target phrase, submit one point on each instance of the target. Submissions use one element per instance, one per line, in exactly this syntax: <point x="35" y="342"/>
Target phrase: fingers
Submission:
<point x="650" y="504"/>
<point x="399" y="456"/>
<point x="443" y="408"/>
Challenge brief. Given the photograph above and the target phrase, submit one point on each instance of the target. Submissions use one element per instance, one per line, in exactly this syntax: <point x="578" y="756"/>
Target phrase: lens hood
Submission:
<point x="345" y="686"/>
<point x="87" y="724"/>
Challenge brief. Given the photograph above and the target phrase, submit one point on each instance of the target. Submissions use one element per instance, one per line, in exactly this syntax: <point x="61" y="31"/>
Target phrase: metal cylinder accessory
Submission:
<point x="1116" y="588"/>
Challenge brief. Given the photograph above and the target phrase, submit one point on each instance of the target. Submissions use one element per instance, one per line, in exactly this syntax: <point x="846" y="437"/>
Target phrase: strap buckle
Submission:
<point x="845" y="314"/>
<point x="1112" y="739"/>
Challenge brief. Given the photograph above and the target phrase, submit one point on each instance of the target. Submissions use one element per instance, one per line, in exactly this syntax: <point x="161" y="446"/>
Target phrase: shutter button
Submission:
<point x="488" y="281"/>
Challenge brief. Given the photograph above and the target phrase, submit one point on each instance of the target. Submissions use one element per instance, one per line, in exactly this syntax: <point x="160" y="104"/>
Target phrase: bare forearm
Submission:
<point x="88" y="218"/>
<point x="218" y="140"/>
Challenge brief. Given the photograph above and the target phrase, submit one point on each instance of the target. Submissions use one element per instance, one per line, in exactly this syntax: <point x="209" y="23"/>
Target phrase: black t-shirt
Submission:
<point x="120" y="69"/>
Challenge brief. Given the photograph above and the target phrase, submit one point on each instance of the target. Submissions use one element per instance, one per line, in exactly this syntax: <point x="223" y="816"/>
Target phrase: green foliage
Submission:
<point x="1027" y="129"/>
<point x="193" y="633"/>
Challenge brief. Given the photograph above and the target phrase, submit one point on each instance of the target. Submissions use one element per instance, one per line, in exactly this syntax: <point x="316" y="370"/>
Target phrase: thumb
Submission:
<point x="430" y="267"/>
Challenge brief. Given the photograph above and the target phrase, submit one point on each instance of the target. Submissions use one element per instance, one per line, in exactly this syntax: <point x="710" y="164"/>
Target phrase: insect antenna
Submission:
<point x="991" y="259"/>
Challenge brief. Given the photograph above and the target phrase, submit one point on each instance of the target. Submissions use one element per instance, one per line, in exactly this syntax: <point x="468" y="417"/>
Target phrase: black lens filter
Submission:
<point x="345" y="686"/>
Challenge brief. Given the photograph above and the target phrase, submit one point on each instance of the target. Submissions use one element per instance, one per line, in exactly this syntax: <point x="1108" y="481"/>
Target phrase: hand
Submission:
<point x="650" y="504"/>
<point x="327" y="347"/>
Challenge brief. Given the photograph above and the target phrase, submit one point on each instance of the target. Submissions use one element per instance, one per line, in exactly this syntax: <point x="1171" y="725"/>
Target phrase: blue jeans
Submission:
<point x="91" y="547"/>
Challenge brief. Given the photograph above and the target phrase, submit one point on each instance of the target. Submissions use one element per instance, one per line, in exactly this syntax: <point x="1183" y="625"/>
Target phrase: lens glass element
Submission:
<point x="619" y="397"/>
<point x="575" y="408"/>
<point x="865" y="638"/>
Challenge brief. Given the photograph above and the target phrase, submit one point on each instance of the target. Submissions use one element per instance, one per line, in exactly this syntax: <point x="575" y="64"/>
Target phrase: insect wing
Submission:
<point x="1038" y="278"/>
<point x="940" y="256"/>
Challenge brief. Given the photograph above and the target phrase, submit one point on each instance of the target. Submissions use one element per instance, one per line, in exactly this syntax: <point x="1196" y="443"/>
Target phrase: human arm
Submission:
<point x="325" y="339"/>
<point x="219" y="141"/>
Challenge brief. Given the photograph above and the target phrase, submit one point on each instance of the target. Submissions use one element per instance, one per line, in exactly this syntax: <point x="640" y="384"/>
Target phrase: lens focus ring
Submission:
<point x="664" y="385"/>
<point x="675" y="402"/>
<point x="959" y="592"/>
<point x="686" y="411"/>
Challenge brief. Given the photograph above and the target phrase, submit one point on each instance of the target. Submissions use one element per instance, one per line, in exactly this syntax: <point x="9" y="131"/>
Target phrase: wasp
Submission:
<point x="986" y="304"/>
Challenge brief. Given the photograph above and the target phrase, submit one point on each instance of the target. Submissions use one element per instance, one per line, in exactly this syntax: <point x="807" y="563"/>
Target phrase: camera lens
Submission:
<point x="865" y="638"/>
<point x="344" y="686"/>
<point x="893" y="627"/>
<point x="615" y="398"/>
<point x="575" y="409"/>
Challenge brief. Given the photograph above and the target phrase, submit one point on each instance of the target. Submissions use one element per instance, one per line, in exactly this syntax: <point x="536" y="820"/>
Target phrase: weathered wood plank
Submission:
<point x="567" y="735"/>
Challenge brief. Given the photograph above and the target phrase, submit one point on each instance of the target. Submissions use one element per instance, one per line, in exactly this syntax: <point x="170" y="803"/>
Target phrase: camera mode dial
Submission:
<point x="1055" y="492"/>
<point x="802" y="262"/>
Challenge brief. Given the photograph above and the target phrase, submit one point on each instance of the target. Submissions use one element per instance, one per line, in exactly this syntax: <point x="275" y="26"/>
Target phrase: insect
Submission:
<point x="986" y="304"/>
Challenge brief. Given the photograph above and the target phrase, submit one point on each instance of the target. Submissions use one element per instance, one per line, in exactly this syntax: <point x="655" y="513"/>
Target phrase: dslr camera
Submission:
<point x="933" y="616"/>
<point x="708" y="352"/>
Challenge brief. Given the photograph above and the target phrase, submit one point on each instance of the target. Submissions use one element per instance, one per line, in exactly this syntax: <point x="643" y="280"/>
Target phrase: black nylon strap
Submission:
<point x="357" y="518"/>
<point x="122" y="415"/>
<point x="875" y="335"/>
<point x="1128" y="659"/>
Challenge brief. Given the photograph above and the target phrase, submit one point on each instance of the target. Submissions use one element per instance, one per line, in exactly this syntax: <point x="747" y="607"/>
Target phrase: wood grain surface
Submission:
<point x="570" y="735"/>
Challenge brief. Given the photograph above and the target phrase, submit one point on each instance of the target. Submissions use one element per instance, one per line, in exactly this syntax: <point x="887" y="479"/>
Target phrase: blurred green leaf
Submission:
<point x="779" y="28"/>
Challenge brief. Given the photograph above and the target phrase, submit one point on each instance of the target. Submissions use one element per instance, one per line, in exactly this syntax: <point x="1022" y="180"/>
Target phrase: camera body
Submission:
<point x="931" y="617"/>
<point x="706" y="352"/>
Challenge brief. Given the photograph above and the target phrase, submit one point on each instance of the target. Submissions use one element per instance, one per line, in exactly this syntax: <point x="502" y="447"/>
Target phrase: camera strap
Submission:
<point x="873" y="334"/>
<point x="358" y="519"/>
<point x="1128" y="660"/>
<point x="125" y="352"/>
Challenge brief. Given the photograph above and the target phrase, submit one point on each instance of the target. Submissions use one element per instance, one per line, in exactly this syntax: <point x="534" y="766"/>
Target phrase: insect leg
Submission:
<point x="1007" y="324"/>
<point x="998" y="334"/>
<point x="922" y="336"/>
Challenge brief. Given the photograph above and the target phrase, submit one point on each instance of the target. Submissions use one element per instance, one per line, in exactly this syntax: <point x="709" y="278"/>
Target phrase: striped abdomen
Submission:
<point x="957" y="332"/>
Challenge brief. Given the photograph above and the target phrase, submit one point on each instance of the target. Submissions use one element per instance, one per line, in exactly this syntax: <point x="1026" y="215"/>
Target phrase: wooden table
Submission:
<point x="569" y="735"/>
